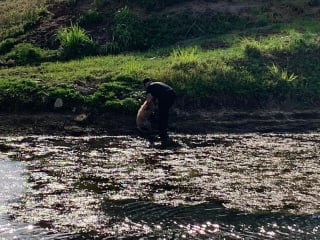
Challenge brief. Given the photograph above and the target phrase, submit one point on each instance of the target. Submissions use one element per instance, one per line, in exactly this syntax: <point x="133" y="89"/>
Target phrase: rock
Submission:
<point x="58" y="103"/>
<point x="74" y="130"/>
<point x="85" y="90"/>
<point x="81" y="118"/>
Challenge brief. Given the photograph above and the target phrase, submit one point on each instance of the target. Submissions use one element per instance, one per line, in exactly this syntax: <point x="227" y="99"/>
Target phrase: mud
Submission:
<point x="220" y="186"/>
<point x="192" y="122"/>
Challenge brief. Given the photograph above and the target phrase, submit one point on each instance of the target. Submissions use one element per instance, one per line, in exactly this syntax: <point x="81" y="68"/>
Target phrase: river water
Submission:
<point x="213" y="186"/>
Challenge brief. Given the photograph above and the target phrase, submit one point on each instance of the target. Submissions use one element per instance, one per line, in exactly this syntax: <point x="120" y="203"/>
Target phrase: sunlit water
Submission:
<point x="12" y="186"/>
<point x="219" y="186"/>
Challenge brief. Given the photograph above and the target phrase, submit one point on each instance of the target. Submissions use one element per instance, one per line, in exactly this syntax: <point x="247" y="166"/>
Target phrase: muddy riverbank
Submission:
<point x="196" y="122"/>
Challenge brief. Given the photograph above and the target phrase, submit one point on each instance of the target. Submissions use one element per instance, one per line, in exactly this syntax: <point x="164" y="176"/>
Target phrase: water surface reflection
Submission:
<point x="218" y="186"/>
<point x="12" y="187"/>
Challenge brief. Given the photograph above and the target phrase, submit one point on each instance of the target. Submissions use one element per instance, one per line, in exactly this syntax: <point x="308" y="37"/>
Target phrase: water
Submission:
<point x="217" y="186"/>
<point x="12" y="188"/>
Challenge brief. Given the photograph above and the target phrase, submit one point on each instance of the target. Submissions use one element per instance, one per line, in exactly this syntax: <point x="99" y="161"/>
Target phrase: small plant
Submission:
<point x="67" y="93"/>
<point x="92" y="16"/>
<point x="26" y="53"/>
<point x="184" y="55"/>
<point x="21" y="95"/>
<point x="281" y="74"/>
<point x="110" y="48"/>
<point x="109" y="91"/>
<point x="128" y="30"/>
<point x="132" y="67"/>
<point x="6" y="45"/>
<point x="31" y="18"/>
<point x="75" y="43"/>
<point x="128" y="105"/>
<point x="115" y="96"/>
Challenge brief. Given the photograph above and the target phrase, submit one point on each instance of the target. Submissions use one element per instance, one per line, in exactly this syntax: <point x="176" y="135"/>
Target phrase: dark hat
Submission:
<point x="146" y="80"/>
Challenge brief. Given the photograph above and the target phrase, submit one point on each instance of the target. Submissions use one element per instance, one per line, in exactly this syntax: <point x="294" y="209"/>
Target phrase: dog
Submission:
<point x="143" y="117"/>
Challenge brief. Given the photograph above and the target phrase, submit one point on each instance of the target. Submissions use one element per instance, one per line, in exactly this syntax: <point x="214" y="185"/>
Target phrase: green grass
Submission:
<point x="280" y="69"/>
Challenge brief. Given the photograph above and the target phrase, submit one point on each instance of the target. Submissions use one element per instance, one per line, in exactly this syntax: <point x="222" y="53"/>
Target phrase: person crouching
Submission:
<point x="164" y="96"/>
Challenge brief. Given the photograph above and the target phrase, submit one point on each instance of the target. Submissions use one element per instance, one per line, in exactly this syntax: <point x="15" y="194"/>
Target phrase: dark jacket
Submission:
<point x="162" y="92"/>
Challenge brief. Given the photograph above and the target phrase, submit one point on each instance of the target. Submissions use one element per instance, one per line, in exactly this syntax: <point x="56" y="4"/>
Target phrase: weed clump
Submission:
<point x="75" y="43"/>
<point x="128" y="31"/>
<point x="20" y="95"/>
<point x="26" y="53"/>
<point x="6" y="45"/>
<point x="115" y="97"/>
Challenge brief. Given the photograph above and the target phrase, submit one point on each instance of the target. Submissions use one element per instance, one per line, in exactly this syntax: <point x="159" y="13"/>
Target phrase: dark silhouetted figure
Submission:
<point x="164" y="96"/>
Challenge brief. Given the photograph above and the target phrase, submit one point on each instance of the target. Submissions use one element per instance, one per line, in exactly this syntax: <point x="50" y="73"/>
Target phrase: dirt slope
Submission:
<point x="61" y="14"/>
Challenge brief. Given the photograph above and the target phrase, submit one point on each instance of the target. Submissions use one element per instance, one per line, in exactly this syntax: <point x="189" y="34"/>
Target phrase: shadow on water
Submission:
<point x="215" y="186"/>
<point x="208" y="220"/>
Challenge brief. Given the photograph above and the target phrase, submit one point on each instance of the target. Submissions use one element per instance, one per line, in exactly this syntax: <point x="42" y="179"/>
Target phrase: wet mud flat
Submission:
<point x="207" y="186"/>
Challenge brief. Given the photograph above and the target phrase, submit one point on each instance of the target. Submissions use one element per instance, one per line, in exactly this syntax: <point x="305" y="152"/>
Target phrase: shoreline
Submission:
<point x="201" y="122"/>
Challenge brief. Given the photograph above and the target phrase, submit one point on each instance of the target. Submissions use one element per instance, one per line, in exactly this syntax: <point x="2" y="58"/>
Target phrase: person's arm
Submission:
<point x="149" y="98"/>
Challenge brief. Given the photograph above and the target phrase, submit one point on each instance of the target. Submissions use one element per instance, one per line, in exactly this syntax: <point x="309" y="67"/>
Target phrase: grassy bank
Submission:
<point x="214" y="61"/>
<point x="277" y="70"/>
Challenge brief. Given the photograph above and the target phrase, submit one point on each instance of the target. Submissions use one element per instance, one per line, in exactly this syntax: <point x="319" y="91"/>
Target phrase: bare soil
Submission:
<point x="180" y="122"/>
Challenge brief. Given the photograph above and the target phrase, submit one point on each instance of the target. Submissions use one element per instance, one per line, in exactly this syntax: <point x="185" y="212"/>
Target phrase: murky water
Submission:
<point x="218" y="186"/>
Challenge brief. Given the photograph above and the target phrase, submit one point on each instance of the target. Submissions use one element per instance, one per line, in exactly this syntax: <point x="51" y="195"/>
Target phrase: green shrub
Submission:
<point x="6" y="45"/>
<point x="26" y="53"/>
<point x="163" y="31"/>
<point x="31" y="19"/>
<point x="92" y="16"/>
<point x="110" y="48"/>
<point x="126" y="105"/>
<point x="70" y="96"/>
<point x="184" y="55"/>
<point x="112" y="96"/>
<point x="128" y="30"/>
<point x="75" y="43"/>
<point x="130" y="105"/>
<point x="21" y="95"/>
<point x="11" y="32"/>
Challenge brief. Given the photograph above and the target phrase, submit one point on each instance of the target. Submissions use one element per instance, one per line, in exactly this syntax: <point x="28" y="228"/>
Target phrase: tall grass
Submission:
<point x="75" y="42"/>
<point x="184" y="55"/>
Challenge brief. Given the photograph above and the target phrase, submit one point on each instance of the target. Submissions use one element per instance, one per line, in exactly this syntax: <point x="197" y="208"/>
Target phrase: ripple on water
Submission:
<point x="247" y="186"/>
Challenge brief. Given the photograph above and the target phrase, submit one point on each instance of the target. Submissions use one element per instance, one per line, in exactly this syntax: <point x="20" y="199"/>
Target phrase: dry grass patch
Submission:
<point x="16" y="12"/>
